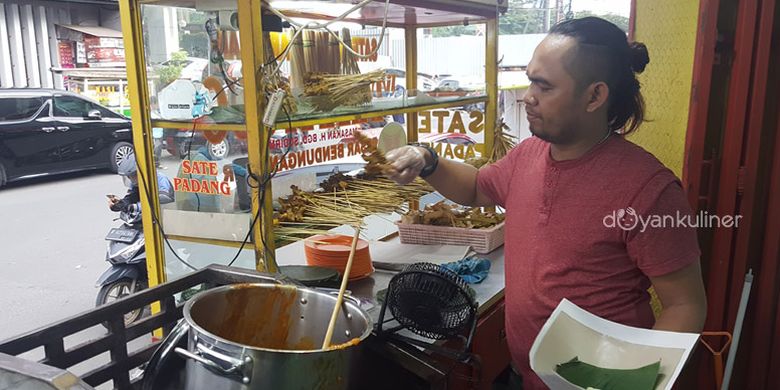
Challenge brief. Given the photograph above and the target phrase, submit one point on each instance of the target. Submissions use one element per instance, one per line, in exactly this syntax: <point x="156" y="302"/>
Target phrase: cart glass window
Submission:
<point x="206" y="170"/>
<point x="194" y="64"/>
<point x="454" y="132"/>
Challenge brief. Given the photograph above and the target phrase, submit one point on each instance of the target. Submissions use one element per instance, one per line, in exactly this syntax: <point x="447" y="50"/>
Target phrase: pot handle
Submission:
<point x="162" y="354"/>
<point x="239" y="370"/>
<point x="335" y="292"/>
<point x="352" y="299"/>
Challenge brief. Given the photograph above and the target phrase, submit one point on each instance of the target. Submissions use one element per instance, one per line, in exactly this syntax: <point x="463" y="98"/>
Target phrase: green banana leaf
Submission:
<point x="587" y="375"/>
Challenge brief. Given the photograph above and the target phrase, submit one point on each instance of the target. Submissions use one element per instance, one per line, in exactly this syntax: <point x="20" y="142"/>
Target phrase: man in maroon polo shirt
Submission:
<point x="575" y="196"/>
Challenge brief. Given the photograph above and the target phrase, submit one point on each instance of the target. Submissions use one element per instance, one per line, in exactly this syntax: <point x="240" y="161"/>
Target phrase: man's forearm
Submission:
<point x="682" y="318"/>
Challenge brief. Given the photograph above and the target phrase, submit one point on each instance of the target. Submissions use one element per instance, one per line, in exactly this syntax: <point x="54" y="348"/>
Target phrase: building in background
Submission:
<point x="92" y="63"/>
<point x="33" y="41"/>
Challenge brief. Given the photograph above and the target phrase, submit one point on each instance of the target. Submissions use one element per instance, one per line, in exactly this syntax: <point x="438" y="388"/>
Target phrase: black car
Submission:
<point x="44" y="131"/>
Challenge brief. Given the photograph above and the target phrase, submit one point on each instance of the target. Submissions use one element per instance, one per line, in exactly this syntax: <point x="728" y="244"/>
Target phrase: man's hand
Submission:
<point x="406" y="163"/>
<point x="112" y="200"/>
<point x="455" y="180"/>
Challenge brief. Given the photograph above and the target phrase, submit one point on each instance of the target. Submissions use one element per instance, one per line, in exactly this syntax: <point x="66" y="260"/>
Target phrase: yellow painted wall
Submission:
<point x="668" y="28"/>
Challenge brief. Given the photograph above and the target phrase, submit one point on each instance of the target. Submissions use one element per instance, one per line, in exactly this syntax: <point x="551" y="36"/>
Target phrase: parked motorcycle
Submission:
<point x="127" y="255"/>
<point x="126" y="252"/>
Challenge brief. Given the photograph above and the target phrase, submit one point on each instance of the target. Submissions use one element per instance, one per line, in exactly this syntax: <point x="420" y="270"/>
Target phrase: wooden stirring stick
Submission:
<point x="344" y="279"/>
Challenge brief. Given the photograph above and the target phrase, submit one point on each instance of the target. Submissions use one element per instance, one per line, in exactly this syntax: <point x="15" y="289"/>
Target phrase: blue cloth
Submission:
<point x="239" y="170"/>
<point x="165" y="189"/>
<point x="472" y="269"/>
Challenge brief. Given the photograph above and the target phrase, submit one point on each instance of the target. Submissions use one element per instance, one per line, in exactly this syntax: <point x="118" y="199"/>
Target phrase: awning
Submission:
<point x="110" y="3"/>
<point x="97" y="31"/>
<point x="93" y="73"/>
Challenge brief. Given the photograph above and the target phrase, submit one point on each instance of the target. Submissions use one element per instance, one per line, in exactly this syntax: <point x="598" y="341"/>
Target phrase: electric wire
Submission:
<point x="262" y="188"/>
<point x="269" y="175"/>
<point x="157" y="221"/>
<point x="192" y="134"/>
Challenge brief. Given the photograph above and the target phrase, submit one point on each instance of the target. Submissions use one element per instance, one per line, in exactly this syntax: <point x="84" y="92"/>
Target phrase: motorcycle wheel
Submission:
<point x="120" y="289"/>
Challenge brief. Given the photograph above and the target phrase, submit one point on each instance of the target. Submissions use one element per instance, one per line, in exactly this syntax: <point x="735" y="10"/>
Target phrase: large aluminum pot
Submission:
<point x="265" y="336"/>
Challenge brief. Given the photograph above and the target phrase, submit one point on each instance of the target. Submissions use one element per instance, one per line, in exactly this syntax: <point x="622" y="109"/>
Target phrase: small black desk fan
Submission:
<point x="433" y="302"/>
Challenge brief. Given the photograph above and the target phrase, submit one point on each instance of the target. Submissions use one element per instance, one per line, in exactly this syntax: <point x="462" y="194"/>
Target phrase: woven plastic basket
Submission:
<point x="481" y="240"/>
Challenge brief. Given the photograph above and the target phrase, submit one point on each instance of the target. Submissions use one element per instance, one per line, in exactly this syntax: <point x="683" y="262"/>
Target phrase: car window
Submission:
<point x="104" y="112"/>
<point x="71" y="106"/>
<point x="18" y="108"/>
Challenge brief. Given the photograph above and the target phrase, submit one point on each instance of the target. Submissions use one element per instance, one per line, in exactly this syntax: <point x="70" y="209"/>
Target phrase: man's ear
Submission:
<point x="597" y="95"/>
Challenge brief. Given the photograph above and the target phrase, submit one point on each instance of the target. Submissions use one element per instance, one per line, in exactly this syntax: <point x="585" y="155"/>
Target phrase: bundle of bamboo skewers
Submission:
<point x="306" y="213"/>
<point x="327" y="74"/>
<point x="315" y="52"/>
<point x="349" y="63"/>
<point x="503" y="142"/>
<point x="328" y="91"/>
<point x="274" y="82"/>
<point x="346" y="200"/>
<point x="297" y="63"/>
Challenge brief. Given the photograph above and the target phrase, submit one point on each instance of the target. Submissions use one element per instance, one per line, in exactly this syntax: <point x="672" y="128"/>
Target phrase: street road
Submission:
<point x="52" y="234"/>
<point x="53" y="249"/>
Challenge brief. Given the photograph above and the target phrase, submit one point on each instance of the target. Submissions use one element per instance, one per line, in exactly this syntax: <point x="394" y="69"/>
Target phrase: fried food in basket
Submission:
<point x="443" y="214"/>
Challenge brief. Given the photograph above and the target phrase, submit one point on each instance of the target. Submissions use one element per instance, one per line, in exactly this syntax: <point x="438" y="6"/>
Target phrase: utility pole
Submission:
<point x="547" y="14"/>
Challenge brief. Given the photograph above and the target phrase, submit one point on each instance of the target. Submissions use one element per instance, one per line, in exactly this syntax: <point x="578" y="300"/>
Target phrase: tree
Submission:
<point x="526" y="17"/>
<point x="523" y="17"/>
<point x="453" y="31"/>
<point x="619" y="20"/>
<point x="193" y="37"/>
<point x="172" y="71"/>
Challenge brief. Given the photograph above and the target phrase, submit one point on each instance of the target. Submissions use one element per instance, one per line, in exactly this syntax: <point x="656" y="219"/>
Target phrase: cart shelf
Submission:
<point x="379" y="107"/>
<point x="196" y="125"/>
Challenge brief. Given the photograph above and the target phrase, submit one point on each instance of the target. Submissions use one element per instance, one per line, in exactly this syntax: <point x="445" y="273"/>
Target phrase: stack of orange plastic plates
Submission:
<point x="333" y="252"/>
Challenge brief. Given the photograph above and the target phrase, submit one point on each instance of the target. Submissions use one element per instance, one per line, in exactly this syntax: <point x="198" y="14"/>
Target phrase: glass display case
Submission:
<point x="201" y="74"/>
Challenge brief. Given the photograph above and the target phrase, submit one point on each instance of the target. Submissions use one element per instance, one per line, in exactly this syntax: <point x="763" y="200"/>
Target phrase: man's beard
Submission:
<point x="564" y="138"/>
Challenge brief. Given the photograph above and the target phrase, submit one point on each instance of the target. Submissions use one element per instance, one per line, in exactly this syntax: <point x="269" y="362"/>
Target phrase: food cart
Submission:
<point x="230" y="102"/>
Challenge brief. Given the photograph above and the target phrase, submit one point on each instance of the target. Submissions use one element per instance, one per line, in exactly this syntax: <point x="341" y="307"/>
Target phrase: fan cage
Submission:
<point x="431" y="301"/>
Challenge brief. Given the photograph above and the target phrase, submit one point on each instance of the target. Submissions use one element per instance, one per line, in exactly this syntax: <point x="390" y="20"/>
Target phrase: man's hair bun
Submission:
<point x="639" y="57"/>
